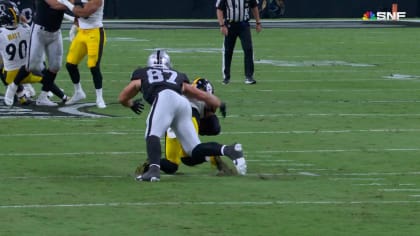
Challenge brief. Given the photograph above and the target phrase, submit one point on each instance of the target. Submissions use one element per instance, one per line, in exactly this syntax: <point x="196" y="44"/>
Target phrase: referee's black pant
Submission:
<point x="243" y="31"/>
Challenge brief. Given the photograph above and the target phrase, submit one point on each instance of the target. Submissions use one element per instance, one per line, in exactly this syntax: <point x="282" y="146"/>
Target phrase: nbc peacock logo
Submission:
<point x="369" y="15"/>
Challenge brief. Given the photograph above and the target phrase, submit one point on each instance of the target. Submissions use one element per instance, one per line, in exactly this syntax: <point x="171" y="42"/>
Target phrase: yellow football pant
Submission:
<point x="31" y="78"/>
<point x="88" y="42"/>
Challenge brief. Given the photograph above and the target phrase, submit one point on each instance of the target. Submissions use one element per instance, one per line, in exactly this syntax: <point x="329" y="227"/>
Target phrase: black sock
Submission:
<point x="73" y="72"/>
<point x="206" y="149"/>
<point x="154" y="151"/>
<point x="21" y="75"/>
<point x="97" y="77"/>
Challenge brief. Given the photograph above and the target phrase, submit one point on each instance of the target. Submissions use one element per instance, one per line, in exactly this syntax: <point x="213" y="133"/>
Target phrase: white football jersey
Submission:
<point x="94" y="20"/>
<point x="13" y="45"/>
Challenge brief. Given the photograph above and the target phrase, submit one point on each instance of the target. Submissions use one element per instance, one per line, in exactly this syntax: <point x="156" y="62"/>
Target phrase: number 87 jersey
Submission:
<point x="155" y="79"/>
<point x="13" y="45"/>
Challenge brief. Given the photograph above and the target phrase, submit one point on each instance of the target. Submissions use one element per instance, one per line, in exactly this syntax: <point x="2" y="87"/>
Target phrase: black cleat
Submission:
<point x="235" y="153"/>
<point x="152" y="175"/>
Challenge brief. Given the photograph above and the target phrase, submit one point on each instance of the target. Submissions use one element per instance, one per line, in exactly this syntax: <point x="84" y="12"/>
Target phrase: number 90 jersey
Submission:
<point x="13" y="45"/>
<point x="154" y="80"/>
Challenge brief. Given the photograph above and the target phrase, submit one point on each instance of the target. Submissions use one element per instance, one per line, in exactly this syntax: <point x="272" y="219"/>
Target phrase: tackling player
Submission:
<point x="205" y="122"/>
<point x="163" y="88"/>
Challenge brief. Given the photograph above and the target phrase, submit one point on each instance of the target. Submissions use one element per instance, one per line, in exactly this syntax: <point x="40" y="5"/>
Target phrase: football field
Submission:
<point x="331" y="133"/>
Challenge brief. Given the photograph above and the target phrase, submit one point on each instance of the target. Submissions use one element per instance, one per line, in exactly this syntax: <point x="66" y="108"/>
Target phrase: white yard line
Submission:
<point x="232" y="203"/>
<point x="400" y="190"/>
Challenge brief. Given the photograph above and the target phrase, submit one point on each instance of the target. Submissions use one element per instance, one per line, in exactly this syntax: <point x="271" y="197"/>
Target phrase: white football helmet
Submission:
<point x="159" y="59"/>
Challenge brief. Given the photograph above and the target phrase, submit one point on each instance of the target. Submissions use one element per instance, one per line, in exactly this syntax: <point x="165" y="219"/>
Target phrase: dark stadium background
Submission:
<point x="205" y="9"/>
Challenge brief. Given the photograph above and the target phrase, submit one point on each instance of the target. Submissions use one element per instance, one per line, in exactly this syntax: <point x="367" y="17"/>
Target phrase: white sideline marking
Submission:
<point x="240" y="203"/>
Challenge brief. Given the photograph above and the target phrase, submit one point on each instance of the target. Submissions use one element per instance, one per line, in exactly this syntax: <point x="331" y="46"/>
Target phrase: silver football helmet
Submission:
<point x="159" y="59"/>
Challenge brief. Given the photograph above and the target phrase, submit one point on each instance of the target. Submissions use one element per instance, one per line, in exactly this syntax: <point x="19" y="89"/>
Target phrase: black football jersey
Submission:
<point x="154" y="80"/>
<point x="46" y="16"/>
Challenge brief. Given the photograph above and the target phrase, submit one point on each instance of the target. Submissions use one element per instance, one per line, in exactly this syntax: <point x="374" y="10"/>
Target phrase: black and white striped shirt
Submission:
<point x="236" y="10"/>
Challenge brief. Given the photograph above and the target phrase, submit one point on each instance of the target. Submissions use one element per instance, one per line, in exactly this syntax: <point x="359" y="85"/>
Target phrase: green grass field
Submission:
<point x="330" y="132"/>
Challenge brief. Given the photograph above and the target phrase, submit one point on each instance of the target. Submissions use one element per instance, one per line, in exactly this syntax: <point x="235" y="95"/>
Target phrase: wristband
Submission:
<point x="258" y="23"/>
<point x="68" y="4"/>
<point x="222" y="25"/>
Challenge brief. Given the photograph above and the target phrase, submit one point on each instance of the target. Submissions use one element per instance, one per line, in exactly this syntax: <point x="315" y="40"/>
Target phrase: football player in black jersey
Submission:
<point x="205" y="122"/>
<point x="46" y="39"/>
<point x="163" y="88"/>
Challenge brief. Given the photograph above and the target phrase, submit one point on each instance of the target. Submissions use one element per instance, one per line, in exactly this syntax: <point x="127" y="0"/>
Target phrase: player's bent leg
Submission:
<point x="192" y="161"/>
<point x="167" y="166"/>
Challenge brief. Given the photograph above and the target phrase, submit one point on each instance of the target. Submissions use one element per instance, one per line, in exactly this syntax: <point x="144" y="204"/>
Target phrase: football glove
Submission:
<point x="137" y="106"/>
<point x="223" y="109"/>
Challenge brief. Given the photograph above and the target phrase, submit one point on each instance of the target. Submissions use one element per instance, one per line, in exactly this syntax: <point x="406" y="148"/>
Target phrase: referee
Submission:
<point x="233" y="17"/>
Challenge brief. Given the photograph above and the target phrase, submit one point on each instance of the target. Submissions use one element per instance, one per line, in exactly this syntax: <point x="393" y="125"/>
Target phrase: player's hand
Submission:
<point x="223" y="109"/>
<point x="137" y="106"/>
<point x="72" y="32"/>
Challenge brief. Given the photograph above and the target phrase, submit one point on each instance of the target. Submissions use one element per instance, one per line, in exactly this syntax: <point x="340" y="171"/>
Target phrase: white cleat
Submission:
<point x="9" y="97"/>
<point x="44" y="101"/>
<point x="240" y="165"/>
<point x="78" y="95"/>
<point x="29" y="90"/>
<point x="100" y="103"/>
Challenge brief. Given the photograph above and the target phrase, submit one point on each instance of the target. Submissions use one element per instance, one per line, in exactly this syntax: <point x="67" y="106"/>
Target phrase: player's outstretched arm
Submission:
<point x="82" y="8"/>
<point x="129" y="92"/>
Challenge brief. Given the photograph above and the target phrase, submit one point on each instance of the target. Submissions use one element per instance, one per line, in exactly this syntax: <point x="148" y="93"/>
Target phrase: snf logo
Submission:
<point x="384" y="15"/>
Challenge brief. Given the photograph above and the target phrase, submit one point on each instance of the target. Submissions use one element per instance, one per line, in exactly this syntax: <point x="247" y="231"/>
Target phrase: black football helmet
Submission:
<point x="9" y="14"/>
<point x="203" y="84"/>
